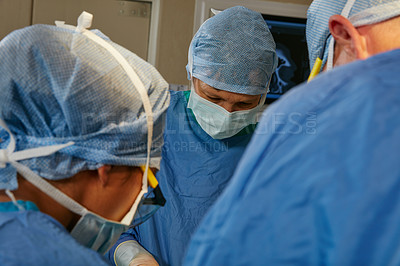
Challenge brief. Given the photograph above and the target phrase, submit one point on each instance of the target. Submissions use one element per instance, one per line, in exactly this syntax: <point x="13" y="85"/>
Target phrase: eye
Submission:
<point x="214" y="99"/>
<point x="245" y="105"/>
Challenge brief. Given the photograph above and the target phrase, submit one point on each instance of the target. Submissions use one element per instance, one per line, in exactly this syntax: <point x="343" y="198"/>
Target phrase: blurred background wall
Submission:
<point x="129" y="23"/>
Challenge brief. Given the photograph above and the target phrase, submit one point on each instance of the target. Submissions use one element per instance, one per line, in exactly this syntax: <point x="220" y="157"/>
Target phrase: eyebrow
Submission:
<point x="211" y="94"/>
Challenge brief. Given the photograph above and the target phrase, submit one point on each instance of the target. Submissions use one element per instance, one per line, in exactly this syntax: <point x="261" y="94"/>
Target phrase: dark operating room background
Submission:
<point x="291" y="48"/>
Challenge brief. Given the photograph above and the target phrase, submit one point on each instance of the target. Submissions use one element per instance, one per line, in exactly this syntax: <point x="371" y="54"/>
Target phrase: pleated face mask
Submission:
<point x="218" y="122"/>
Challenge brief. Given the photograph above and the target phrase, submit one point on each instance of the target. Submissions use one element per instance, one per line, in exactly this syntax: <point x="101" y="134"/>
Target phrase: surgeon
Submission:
<point x="319" y="183"/>
<point x="231" y="60"/>
<point x="81" y="122"/>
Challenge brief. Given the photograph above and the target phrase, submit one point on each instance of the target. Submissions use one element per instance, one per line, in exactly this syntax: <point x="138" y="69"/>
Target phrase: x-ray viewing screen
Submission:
<point x="291" y="48"/>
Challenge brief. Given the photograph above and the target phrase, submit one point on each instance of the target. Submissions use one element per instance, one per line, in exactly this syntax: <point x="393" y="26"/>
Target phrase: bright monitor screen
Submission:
<point x="291" y="48"/>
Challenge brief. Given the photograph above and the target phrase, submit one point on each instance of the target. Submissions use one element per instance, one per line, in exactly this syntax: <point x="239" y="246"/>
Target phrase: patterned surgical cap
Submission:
<point x="362" y="12"/>
<point x="233" y="51"/>
<point x="57" y="86"/>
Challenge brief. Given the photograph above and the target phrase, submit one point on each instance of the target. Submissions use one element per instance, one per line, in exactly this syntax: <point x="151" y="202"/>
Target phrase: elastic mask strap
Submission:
<point x="347" y="8"/>
<point x="49" y="189"/>
<point x="215" y="11"/>
<point x="84" y="22"/>
<point x="127" y="220"/>
<point x="138" y="84"/>
<point x="264" y="96"/>
<point x="10" y="156"/>
<point x="329" y="63"/>
<point x="345" y="13"/>
<point x="11" y="196"/>
<point x="262" y="99"/>
<point x="190" y="62"/>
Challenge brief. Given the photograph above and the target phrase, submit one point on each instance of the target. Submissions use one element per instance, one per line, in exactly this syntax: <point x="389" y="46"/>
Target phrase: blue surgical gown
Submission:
<point x="195" y="169"/>
<point x="31" y="237"/>
<point x="319" y="183"/>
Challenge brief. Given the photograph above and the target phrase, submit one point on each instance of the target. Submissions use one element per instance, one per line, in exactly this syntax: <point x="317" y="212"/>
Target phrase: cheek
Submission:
<point x="254" y="103"/>
<point x="128" y="194"/>
<point x="133" y="190"/>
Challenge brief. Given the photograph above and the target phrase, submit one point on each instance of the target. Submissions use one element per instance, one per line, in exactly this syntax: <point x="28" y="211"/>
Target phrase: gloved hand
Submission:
<point x="131" y="253"/>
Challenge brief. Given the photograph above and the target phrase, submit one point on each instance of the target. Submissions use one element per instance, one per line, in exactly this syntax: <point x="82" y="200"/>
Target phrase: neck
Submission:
<point x="28" y="192"/>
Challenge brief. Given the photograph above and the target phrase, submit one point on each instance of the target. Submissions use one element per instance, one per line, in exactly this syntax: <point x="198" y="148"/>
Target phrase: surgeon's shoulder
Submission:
<point x="42" y="240"/>
<point x="178" y="98"/>
<point x="312" y="96"/>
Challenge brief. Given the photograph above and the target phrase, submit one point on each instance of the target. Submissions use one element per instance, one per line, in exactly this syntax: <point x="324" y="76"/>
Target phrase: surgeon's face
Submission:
<point x="230" y="101"/>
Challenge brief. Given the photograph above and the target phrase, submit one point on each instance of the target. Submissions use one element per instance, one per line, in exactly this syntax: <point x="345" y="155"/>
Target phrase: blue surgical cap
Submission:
<point x="362" y="12"/>
<point x="233" y="51"/>
<point x="57" y="86"/>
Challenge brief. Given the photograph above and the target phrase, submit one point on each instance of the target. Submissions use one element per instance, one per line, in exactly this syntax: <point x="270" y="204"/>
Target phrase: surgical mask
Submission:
<point x="91" y="230"/>
<point x="98" y="233"/>
<point x="218" y="122"/>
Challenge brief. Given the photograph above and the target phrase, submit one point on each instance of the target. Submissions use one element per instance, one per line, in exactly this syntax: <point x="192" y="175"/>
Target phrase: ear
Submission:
<point x="104" y="174"/>
<point x="349" y="40"/>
